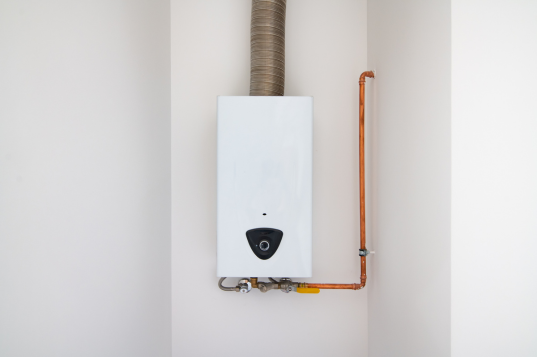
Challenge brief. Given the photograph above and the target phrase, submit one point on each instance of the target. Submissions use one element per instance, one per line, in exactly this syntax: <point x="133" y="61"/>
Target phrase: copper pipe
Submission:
<point x="333" y="286"/>
<point x="363" y="275"/>
<point x="369" y="74"/>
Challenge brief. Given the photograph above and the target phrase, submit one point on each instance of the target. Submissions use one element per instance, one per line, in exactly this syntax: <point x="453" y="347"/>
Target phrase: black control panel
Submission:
<point x="264" y="241"/>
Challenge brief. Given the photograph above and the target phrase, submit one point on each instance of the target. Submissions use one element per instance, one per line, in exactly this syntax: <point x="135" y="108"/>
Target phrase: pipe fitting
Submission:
<point x="286" y="285"/>
<point x="244" y="286"/>
<point x="264" y="287"/>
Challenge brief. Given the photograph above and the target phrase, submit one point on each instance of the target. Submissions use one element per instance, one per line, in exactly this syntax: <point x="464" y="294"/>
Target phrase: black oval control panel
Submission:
<point x="264" y="241"/>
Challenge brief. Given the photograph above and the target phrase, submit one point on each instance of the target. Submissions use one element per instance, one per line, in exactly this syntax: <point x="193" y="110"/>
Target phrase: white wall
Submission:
<point x="409" y="287"/>
<point x="326" y="52"/>
<point x="494" y="207"/>
<point x="84" y="178"/>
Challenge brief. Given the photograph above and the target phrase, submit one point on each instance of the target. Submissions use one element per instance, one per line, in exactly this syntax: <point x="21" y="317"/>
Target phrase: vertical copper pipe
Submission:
<point x="370" y="74"/>
<point x="363" y="275"/>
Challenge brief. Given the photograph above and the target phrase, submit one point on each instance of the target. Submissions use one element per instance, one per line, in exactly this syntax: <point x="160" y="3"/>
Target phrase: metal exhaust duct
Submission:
<point x="267" y="48"/>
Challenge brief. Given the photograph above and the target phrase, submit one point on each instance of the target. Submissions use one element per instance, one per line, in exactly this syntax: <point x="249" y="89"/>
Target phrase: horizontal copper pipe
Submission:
<point x="334" y="286"/>
<point x="363" y="275"/>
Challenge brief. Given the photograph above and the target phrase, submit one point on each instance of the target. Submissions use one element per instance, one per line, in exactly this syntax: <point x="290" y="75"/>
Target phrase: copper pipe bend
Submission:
<point x="363" y="275"/>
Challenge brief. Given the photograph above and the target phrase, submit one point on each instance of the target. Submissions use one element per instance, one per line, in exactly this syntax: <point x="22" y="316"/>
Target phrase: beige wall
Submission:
<point x="326" y="52"/>
<point x="409" y="290"/>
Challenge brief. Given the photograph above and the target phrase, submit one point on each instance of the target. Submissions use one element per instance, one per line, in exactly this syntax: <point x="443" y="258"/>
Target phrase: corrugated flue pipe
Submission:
<point x="267" y="41"/>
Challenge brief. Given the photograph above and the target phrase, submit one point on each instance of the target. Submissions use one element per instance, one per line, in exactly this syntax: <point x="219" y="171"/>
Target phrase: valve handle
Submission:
<point x="308" y="290"/>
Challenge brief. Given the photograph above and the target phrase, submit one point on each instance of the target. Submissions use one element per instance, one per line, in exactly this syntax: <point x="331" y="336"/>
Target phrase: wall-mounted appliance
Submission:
<point x="264" y="171"/>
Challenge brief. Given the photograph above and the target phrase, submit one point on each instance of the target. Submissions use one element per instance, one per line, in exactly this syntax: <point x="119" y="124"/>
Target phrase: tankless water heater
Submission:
<point x="264" y="189"/>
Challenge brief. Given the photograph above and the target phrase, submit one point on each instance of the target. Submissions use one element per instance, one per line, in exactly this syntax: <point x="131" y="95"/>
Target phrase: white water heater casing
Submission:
<point x="264" y="189"/>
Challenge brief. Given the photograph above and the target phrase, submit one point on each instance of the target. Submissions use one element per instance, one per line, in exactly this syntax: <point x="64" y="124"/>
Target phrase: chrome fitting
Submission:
<point x="244" y="286"/>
